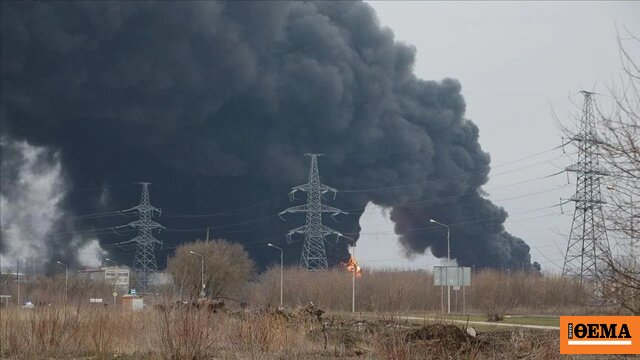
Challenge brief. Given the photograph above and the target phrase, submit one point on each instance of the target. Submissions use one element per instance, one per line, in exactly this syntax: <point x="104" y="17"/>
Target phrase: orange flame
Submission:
<point x="353" y="267"/>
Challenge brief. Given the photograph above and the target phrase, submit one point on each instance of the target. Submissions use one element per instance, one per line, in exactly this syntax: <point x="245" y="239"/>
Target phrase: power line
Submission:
<point x="466" y="194"/>
<point x="436" y="200"/>
<point x="527" y="157"/>
<point x="100" y="187"/>
<point x="107" y="230"/>
<point x="221" y="228"/>
<point x="388" y="154"/>
<point x="433" y="200"/>
<point x="431" y="181"/>
<point x="226" y="212"/>
<point x="95" y="215"/>
<point x="458" y="224"/>
<point x="432" y="228"/>
<point x="98" y="231"/>
<point x="262" y="242"/>
<point x="246" y="207"/>
<point x="197" y="229"/>
<point x="376" y="189"/>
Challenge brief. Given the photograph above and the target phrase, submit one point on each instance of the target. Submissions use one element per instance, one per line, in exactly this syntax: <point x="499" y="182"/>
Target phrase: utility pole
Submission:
<point x="314" y="256"/>
<point x="281" y="270"/>
<point x="115" y="281"/>
<point x="18" y="278"/>
<point x="353" y="281"/>
<point x="144" y="261"/>
<point x="66" y="280"/>
<point x="201" y="271"/>
<point x="448" y="262"/>
<point x="588" y="244"/>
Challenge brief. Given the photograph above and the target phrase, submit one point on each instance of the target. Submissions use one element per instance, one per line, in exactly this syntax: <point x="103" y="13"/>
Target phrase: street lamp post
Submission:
<point x="448" y="262"/>
<point x="353" y="281"/>
<point x="201" y="271"/>
<point x="66" y="279"/>
<point x="115" y="280"/>
<point x="18" y="279"/>
<point x="281" y="270"/>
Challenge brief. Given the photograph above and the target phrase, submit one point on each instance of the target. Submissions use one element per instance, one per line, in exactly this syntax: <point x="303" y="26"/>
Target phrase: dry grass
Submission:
<point x="191" y="333"/>
<point x="391" y="291"/>
<point x="58" y="331"/>
<point x="185" y="332"/>
<point x="413" y="291"/>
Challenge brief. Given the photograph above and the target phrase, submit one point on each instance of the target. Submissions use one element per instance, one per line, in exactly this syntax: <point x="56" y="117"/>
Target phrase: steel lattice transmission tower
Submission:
<point x="144" y="262"/>
<point x="588" y="242"/>
<point x="314" y="255"/>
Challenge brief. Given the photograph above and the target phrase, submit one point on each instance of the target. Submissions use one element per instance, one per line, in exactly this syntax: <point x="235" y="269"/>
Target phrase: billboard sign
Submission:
<point x="451" y="276"/>
<point x="121" y="276"/>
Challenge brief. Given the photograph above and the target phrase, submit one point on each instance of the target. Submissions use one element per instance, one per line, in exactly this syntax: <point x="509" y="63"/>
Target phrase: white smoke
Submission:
<point x="91" y="254"/>
<point x="30" y="205"/>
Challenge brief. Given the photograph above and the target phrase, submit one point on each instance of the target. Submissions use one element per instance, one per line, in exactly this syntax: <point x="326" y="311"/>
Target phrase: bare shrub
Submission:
<point x="392" y="345"/>
<point x="182" y="331"/>
<point x="395" y="291"/>
<point x="185" y="333"/>
<point x="190" y="333"/>
<point x="50" y="290"/>
<point x="103" y="329"/>
<point x="388" y="291"/>
<point x="262" y="334"/>
<point x="227" y="268"/>
<point x="44" y="332"/>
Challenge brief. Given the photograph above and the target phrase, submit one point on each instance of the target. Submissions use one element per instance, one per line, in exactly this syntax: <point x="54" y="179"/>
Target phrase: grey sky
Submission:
<point x="516" y="61"/>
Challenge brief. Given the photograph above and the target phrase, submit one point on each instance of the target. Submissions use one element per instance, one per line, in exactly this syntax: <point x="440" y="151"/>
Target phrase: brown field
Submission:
<point x="397" y="291"/>
<point x="260" y="331"/>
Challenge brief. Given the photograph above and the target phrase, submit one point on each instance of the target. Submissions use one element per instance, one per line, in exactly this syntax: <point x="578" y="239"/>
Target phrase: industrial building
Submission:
<point x="110" y="274"/>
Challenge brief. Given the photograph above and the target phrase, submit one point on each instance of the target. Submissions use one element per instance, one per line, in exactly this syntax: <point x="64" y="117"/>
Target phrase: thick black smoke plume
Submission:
<point x="215" y="103"/>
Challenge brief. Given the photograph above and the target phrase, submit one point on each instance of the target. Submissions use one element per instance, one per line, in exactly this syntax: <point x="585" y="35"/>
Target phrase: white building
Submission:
<point x="110" y="274"/>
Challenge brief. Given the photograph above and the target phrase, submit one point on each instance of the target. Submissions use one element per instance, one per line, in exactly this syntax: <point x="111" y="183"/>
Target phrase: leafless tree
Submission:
<point x="227" y="268"/>
<point x="618" y="134"/>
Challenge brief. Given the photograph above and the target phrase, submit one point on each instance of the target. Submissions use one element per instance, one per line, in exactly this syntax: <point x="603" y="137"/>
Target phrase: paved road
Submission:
<point x="464" y="322"/>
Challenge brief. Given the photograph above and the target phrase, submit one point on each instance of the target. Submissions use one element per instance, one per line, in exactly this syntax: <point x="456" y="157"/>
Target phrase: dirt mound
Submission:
<point x="438" y="332"/>
<point x="309" y="313"/>
<point x="213" y="305"/>
<point x="310" y="310"/>
<point x="494" y="317"/>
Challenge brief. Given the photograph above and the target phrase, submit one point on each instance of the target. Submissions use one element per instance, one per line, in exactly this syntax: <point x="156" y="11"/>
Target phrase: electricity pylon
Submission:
<point x="314" y="255"/>
<point x="588" y="242"/>
<point x="144" y="261"/>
